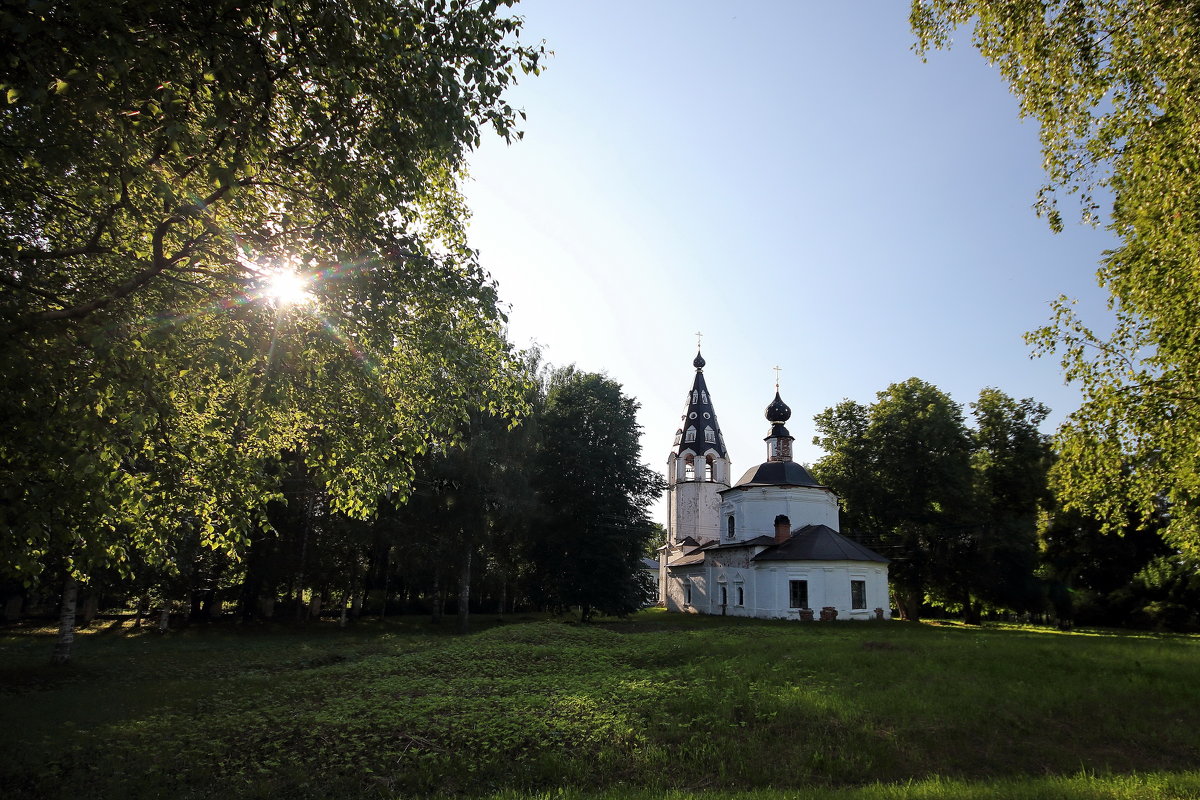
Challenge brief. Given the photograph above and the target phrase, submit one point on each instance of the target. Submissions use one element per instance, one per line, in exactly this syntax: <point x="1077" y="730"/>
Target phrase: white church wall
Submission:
<point x="754" y="510"/>
<point x="693" y="508"/>
<point x="677" y="594"/>
<point x="766" y="591"/>
<point x="739" y="592"/>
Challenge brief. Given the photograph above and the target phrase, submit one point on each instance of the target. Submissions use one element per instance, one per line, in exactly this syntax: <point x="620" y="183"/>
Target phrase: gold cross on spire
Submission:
<point x="777" y="371"/>
<point x="698" y="335"/>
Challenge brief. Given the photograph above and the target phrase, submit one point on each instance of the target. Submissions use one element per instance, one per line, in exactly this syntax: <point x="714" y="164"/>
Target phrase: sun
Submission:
<point x="286" y="287"/>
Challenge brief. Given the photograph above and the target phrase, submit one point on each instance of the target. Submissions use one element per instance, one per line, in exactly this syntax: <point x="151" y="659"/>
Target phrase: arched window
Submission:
<point x="691" y="434"/>
<point x="710" y="435"/>
<point x="708" y="468"/>
<point x="679" y="436"/>
<point x="703" y="397"/>
<point x="689" y="467"/>
<point x="729" y="524"/>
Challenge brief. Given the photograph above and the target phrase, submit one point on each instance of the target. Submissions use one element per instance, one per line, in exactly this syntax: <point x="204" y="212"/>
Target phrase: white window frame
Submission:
<point x="863" y="583"/>
<point x="807" y="599"/>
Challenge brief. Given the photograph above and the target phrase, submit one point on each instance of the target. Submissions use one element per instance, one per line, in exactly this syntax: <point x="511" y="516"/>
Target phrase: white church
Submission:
<point x="767" y="546"/>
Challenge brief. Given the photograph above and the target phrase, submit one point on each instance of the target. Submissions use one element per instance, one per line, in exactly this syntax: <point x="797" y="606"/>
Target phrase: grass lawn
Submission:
<point x="659" y="705"/>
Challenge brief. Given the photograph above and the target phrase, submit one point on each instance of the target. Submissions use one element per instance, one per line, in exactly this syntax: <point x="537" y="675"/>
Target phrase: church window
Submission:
<point x="724" y="596"/>
<point x="679" y="436"/>
<point x="858" y="595"/>
<point x="741" y="593"/>
<point x="704" y="397"/>
<point x="687" y="593"/>
<point x="691" y="433"/>
<point x="710" y="435"/>
<point x="708" y="469"/>
<point x="692" y="415"/>
<point x="729" y="525"/>
<point x="689" y="468"/>
<point x="798" y="594"/>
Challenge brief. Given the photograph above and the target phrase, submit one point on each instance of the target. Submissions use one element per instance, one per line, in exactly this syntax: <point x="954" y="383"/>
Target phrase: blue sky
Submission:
<point x="790" y="179"/>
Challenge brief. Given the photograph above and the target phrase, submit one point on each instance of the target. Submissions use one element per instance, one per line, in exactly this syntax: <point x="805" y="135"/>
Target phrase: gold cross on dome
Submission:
<point x="777" y="371"/>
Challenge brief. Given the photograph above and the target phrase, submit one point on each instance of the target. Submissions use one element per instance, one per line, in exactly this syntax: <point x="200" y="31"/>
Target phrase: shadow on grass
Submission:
<point x="686" y="704"/>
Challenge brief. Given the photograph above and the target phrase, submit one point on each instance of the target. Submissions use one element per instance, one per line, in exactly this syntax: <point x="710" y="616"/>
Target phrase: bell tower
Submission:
<point x="697" y="468"/>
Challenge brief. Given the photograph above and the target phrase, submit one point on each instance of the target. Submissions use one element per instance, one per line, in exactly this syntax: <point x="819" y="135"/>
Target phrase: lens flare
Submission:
<point x="286" y="287"/>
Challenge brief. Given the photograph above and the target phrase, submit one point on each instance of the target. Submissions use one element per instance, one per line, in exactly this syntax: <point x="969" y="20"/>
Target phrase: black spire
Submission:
<point x="699" y="431"/>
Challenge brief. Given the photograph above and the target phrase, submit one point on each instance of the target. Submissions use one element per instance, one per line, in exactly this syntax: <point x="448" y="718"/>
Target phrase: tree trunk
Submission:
<point x="908" y="602"/>
<point x="143" y="610"/>
<point x="12" y="608"/>
<point x="66" y="622"/>
<point x="164" y="619"/>
<point x="387" y="576"/>
<point x="437" y="599"/>
<point x="503" y="596"/>
<point x="211" y="608"/>
<point x="345" y="603"/>
<point x="464" y="594"/>
<point x="971" y="613"/>
<point x="91" y="606"/>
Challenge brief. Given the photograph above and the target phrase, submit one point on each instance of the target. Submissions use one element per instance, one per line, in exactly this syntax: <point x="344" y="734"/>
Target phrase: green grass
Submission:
<point x="658" y="705"/>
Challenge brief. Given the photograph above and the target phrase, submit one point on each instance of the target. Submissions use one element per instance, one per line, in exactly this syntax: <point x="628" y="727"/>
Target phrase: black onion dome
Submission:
<point x="700" y="433"/>
<point x="778" y="412"/>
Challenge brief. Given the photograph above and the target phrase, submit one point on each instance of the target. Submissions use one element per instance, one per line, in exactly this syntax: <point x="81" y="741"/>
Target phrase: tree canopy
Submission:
<point x="595" y="493"/>
<point x="1115" y="85"/>
<point x="162" y="167"/>
<point x="903" y="469"/>
<point x="955" y="509"/>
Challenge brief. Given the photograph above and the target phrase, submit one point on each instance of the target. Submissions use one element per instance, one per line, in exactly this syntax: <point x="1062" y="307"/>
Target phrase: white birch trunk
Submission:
<point x="66" y="622"/>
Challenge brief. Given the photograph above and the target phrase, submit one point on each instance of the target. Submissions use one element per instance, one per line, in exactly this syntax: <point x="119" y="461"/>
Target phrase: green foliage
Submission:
<point x="1090" y="573"/>
<point x="1168" y="593"/>
<point x="158" y="162"/>
<point x="640" y="708"/>
<point x="1114" y="86"/>
<point x="955" y="509"/>
<point x="1010" y="463"/>
<point x="595" y="495"/>
<point x="903" y="469"/>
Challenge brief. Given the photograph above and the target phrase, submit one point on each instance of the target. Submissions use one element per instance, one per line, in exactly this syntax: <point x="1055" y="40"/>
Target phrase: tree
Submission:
<point x="586" y="547"/>
<point x="1114" y="86"/>
<point x="1010" y="461"/>
<point x="1089" y="572"/>
<point x="164" y="170"/>
<point x="903" y="469"/>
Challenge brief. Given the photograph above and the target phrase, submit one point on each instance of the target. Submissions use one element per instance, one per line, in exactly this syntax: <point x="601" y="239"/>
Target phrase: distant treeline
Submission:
<point x="970" y="519"/>
<point x="546" y="513"/>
